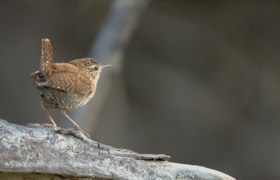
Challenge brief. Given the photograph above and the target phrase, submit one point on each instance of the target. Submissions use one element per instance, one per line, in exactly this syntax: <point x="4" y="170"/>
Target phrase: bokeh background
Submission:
<point x="198" y="80"/>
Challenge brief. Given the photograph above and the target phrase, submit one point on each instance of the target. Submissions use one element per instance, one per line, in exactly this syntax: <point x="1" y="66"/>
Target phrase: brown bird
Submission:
<point x="65" y="86"/>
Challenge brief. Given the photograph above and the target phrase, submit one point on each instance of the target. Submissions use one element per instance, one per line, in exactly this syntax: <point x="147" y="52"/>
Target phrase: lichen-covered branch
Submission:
<point x="33" y="151"/>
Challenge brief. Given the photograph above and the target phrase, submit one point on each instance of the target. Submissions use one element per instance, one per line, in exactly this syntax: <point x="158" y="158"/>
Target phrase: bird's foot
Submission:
<point x="79" y="129"/>
<point x="80" y="134"/>
<point x="46" y="125"/>
<point x="36" y="125"/>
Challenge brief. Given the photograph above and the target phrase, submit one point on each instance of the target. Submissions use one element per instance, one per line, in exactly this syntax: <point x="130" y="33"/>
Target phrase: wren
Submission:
<point x="65" y="86"/>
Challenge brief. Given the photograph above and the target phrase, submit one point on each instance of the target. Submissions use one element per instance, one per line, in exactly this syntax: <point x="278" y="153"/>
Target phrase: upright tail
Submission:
<point x="46" y="62"/>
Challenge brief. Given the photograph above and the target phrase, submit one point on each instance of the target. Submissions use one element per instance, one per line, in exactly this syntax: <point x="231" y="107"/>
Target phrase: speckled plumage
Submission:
<point x="65" y="86"/>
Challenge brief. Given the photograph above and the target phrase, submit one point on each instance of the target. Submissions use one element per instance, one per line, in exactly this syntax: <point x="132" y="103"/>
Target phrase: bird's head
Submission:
<point x="89" y="65"/>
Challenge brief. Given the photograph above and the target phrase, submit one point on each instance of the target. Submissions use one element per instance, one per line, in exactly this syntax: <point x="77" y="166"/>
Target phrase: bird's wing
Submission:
<point x="46" y="62"/>
<point x="69" y="82"/>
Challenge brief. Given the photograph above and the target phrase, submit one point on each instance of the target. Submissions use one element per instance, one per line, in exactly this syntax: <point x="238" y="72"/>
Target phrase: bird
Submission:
<point x="65" y="86"/>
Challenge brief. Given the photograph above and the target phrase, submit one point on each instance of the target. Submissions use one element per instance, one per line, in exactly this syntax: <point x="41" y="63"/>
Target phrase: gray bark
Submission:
<point x="34" y="151"/>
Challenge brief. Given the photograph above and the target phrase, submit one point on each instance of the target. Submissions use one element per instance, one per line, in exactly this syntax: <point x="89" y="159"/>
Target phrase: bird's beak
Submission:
<point x="103" y="66"/>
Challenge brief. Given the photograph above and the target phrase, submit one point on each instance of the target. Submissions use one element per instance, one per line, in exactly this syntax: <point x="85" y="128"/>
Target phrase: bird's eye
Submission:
<point x="95" y="68"/>
<point x="40" y="76"/>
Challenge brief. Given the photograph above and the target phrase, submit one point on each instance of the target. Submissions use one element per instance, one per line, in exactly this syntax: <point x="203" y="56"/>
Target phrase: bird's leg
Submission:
<point x="53" y="124"/>
<point x="71" y="120"/>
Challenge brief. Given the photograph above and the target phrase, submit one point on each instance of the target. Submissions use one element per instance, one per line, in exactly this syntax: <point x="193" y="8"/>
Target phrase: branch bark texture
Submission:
<point x="32" y="151"/>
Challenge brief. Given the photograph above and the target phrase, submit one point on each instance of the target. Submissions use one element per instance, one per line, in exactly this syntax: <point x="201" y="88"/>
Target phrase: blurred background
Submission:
<point x="197" y="80"/>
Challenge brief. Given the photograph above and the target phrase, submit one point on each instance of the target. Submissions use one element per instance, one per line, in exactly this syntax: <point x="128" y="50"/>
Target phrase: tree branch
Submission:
<point x="35" y="151"/>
